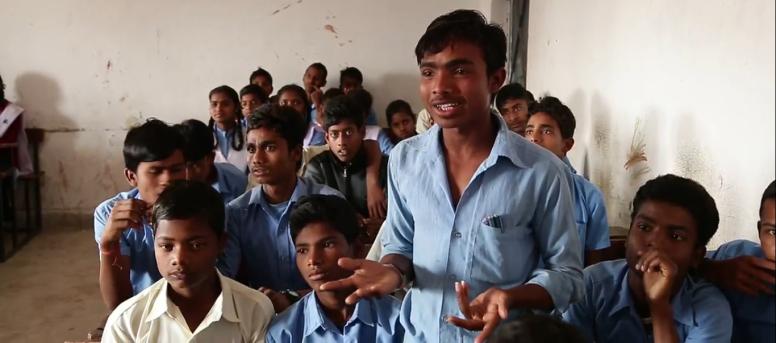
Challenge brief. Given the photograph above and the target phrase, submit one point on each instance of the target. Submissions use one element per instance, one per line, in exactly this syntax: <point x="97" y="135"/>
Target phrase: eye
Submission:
<point x="529" y="131"/>
<point x="328" y="244"/>
<point x="196" y="245"/>
<point x="251" y="148"/>
<point x="643" y="227"/>
<point x="270" y="147"/>
<point x="547" y="132"/>
<point x="771" y="232"/>
<point x="165" y="246"/>
<point x="459" y="71"/>
<point x="677" y="237"/>
<point x="301" y="251"/>
<point x="426" y="73"/>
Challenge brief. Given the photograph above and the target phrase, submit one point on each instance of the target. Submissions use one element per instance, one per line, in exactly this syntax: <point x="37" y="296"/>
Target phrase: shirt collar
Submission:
<point x="565" y="160"/>
<point x="507" y="144"/>
<point x="301" y="189"/>
<point x="681" y="303"/>
<point x="223" y="307"/>
<point x="315" y="319"/>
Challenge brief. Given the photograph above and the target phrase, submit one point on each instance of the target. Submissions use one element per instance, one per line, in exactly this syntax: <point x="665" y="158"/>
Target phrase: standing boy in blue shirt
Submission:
<point x="513" y="102"/>
<point x="325" y="228"/>
<point x="259" y="250"/>
<point x="152" y="158"/>
<point x="198" y="149"/>
<point x="470" y="200"/>
<point x="551" y="125"/>
<point x="651" y="295"/>
<point x="746" y="273"/>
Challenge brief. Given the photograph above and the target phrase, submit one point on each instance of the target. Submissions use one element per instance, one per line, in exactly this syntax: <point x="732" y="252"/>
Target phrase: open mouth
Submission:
<point x="447" y="107"/>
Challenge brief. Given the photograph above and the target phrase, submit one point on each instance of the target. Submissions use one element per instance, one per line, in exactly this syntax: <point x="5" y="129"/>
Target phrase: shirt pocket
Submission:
<point x="503" y="255"/>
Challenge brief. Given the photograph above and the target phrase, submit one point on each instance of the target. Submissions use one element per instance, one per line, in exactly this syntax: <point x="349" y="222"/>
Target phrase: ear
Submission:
<point x="296" y="153"/>
<point x="697" y="257"/>
<point x="496" y="80"/>
<point x="568" y="143"/>
<point x="131" y="177"/>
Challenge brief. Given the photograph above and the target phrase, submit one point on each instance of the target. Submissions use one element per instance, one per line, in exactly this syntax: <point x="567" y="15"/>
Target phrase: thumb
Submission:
<point x="350" y="263"/>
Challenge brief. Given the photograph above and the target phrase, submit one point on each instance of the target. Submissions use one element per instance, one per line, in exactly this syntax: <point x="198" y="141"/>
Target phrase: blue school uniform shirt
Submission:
<point x="754" y="317"/>
<point x="224" y="140"/>
<point x="589" y="212"/>
<point x="135" y="243"/>
<point x="259" y="240"/>
<point x="373" y="320"/>
<point x="607" y="313"/>
<point x="515" y="212"/>
<point x="230" y="181"/>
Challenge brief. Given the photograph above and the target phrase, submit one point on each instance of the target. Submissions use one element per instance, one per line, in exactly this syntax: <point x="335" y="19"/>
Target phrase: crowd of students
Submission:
<point x="251" y="227"/>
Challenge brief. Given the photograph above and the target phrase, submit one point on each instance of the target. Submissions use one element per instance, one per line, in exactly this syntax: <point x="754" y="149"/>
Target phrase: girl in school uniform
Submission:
<point x="226" y="121"/>
<point x="295" y="96"/>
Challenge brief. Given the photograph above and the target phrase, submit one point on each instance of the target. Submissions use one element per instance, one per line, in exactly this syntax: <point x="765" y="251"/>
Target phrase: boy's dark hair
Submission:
<point x="559" y="112"/>
<point x="331" y="93"/>
<point x="320" y="208"/>
<point x="197" y="139"/>
<point x="363" y="99"/>
<point x="301" y="93"/>
<point x="398" y="106"/>
<point x="256" y="91"/>
<point x="260" y="72"/>
<point x="465" y="26"/>
<point x="513" y="91"/>
<point x="321" y="68"/>
<point x="351" y="73"/>
<point x="282" y="119"/>
<point x="154" y="140"/>
<point x="184" y="199"/>
<point x="685" y="193"/>
<point x="237" y="139"/>
<point x="342" y="108"/>
<point x="770" y="193"/>
<point x="537" y="329"/>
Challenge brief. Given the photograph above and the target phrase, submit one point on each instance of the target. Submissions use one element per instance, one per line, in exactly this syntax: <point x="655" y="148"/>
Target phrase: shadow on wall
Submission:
<point x="40" y="96"/>
<point x="397" y="86"/>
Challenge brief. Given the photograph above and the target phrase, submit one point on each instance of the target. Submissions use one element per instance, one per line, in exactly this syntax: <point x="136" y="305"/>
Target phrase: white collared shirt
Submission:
<point x="239" y="314"/>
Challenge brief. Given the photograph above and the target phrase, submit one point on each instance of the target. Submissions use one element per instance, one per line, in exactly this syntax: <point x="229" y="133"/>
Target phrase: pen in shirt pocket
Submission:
<point x="494" y="221"/>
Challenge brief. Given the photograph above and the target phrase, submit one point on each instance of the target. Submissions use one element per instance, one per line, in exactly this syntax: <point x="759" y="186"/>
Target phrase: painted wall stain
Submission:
<point x="63" y="175"/>
<point x="330" y="28"/>
<point x="636" y="158"/>
<point x="123" y="98"/>
<point x="108" y="65"/>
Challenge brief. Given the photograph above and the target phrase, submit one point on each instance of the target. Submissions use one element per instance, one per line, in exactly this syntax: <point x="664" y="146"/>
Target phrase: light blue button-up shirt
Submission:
<point x="373" y="320"/>
<point x="230" y="181"/>
<point x="589" y="212"/>
<point x="516" y="211"/>
<point x="259" y="244"/>
<point x="754" y="317"/>
<point x="607" y="312"/>
<point x="224" y="140"/>
<point x="137" y="244"/>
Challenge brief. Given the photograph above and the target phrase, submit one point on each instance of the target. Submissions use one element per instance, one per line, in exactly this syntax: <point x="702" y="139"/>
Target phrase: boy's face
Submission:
<point x="222" y="108"/>
<point x="349" y="84"/>
<point x="291" y="99"/>
<point x="767" y="229"/>
<point x="455" y="86"/>
<point x="544" y="131"/>
<point x="668" y="228"/>
<point x="313" y="79"/>
<point x="264" y="83"/>
<point x="318" y="247"/>
<point x="151" y="178"/>
<point x="249" y="103"/>
<point x="270" y="159"/>
<point x="345" y="140"/>
<point x="200" y="170"/>
<point x="186" y="251"/>
<point x="402" y="125"/>
<point x="515" y="113"/>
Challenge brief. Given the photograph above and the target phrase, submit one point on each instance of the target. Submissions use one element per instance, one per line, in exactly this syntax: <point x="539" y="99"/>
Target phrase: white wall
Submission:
<point x="86" y="70"/>
<point x="693" y="81"/>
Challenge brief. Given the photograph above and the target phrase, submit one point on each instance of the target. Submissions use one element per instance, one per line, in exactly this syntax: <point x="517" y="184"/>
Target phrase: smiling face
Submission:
<point x="455" y="86"/>
<point x="767" y="228"/>
<point x="186" y="251"/>
<point x="318" y="247"/>
<point x="270" y="159"/>
<point x="668" y="228"/>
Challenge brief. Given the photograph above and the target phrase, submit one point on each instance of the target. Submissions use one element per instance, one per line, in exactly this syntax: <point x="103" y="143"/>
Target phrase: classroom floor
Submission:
<point x="49" y="290"/>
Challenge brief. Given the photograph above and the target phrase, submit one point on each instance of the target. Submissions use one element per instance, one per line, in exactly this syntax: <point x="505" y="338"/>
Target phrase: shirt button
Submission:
<point x="457" y="234"/>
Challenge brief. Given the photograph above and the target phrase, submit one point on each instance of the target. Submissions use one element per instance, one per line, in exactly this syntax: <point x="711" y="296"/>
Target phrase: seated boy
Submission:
<point x="324" y="229"/>
<point x="262" y="78"/>
<point x="744" y="271"/>
<point x="513" y="102"/>
<point x="198" y="150"/>
<point x="536" y="329"/>
<point x="251" y="97"/>
<point x="363" y="99"/>
<point x="313" y="80"/>
<point x="551" y="125"/>
<point x="351" y="79"/>
<point x="152" y="158"/>
<point x="401" y="121"/>
<point x="651" y="295"/>
<point x="343" y="166"/>
<point x="259" y="252"/>
<point x="193" y="302"/>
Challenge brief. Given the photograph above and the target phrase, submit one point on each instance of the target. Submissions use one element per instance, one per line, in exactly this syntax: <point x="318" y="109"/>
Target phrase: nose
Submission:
<point x="314" y="256"/>
<point x="179" y="257"/>
<point x="655" y="238"/>
<point x="441" y="84"/>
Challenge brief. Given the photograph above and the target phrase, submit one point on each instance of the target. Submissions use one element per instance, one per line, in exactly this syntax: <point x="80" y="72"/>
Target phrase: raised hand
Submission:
<point x="484" y="313"/>
<point x="124" y="215"/>
<point x="660" y="274"/>
<point x="369" y="279"/>
<point x="747" y="274"/>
